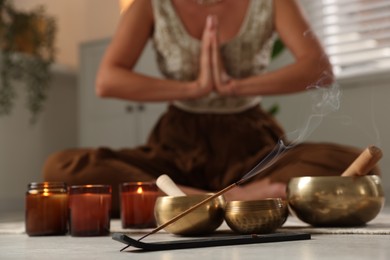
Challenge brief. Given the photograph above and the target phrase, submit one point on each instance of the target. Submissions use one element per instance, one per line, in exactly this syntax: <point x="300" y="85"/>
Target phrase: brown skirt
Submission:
<point x="206" y="151"/>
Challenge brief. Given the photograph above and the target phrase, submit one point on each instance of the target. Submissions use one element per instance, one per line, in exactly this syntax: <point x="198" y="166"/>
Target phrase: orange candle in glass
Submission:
<point x="137" y="204"/>
<point x="90" y="210"/>
<point x="46" y="209"/>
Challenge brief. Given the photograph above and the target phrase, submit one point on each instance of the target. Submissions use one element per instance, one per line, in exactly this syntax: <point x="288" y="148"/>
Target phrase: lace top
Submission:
<point x="248" y="53"/>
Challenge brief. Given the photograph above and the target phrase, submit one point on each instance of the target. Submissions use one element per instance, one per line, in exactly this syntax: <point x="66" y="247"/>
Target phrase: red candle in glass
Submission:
<point x="137" y="204"/>
<point x="90" y="209"/>
<point x="46" y="209"/>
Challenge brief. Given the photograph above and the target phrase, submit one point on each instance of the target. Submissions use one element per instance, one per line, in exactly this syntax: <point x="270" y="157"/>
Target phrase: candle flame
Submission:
<point x="139" y="190"/>
<point x="45" y="192"/>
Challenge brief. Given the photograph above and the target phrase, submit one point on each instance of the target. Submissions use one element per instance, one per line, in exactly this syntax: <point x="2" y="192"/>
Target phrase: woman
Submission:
<point x="214" y="54"/>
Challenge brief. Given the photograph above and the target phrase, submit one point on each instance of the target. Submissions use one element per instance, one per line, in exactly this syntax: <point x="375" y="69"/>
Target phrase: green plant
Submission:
<point x="27" y="47"/>
<point x="277" y="48"/>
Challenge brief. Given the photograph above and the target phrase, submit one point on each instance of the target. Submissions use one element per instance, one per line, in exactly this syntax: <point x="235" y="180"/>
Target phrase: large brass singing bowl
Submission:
<point x="202" y="221"/>
<point x="335" y="201"/>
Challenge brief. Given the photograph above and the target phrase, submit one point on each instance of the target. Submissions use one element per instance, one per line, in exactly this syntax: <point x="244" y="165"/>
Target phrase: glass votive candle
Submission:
<point x="46" y="211"/>
<point x="90" y="210"/>
<point x="137" y="204"/>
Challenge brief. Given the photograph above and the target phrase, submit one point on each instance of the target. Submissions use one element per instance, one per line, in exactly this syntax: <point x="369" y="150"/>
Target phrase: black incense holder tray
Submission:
<point x="209" y="242"/>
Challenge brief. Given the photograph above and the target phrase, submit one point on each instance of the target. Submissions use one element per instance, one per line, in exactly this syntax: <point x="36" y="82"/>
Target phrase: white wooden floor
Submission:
<point x="20" y="246"/>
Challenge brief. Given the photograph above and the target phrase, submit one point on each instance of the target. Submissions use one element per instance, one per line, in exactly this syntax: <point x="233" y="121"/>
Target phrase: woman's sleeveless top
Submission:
<point x="247" y="54"/>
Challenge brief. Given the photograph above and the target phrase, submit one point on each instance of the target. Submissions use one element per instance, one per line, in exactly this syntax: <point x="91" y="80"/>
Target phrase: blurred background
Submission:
<point x="355" y="34"/>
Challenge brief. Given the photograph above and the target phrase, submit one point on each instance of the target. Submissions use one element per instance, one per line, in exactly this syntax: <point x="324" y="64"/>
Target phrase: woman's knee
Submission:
<point x="62" y="163"/>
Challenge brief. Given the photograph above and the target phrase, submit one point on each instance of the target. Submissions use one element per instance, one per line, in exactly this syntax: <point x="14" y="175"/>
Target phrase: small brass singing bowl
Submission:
<point x="256" y="216"/>
<point x="202" y="221"/>
<point x="334" y="200"/>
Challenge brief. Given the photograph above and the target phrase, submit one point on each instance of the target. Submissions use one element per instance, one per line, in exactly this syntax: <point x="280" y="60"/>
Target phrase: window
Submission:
<point x="354" y="33"/>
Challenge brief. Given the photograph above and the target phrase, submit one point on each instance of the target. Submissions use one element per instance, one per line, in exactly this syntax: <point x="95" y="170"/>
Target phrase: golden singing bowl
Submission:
<point x="256" y="216"/>
<point x="334" y="200"/>
<point x="202" y="221"/>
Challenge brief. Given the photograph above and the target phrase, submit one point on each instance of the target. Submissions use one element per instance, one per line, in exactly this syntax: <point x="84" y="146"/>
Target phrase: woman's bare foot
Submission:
<point x="257" y="190"/>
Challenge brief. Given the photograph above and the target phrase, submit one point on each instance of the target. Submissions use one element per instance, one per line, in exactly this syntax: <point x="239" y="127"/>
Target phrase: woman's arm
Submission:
<point x="311" y="66"/>
<point x="116" y="77"/>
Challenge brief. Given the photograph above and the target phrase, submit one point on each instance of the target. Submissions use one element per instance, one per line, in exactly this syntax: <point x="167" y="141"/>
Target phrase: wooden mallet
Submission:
<point x="364" y="163"/>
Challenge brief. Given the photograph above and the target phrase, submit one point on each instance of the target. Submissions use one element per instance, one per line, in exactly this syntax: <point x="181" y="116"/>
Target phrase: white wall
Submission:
<point x="78" y="21"/>
<point x="24" y="147"/>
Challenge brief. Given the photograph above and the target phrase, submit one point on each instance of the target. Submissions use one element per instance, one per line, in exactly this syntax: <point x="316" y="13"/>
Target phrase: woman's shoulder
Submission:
<point x="139" y="12"/>
<point x="140" y="7"/>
